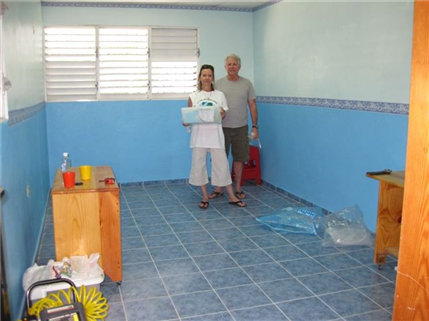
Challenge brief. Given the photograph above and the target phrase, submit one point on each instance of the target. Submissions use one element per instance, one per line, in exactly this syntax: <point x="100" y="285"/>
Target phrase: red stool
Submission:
<point x="251" y="168"/>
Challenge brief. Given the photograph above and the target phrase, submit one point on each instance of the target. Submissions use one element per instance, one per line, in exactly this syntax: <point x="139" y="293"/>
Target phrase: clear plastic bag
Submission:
<point x="294" y="220"/>
<point x="345" y="227"/>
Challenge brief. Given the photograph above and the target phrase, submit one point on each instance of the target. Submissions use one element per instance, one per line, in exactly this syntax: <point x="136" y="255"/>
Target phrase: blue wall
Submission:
<point x="141" y="140"/>
<point x="322" y="154"/>
<point x="24" y="173"/>
<point x="24" y="152"/>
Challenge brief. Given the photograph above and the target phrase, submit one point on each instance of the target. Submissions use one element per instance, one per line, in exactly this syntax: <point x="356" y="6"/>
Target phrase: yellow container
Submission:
<point x="85" y="172"/>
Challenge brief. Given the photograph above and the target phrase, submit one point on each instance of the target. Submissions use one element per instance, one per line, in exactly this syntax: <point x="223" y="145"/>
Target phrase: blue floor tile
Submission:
<point x="307" y="309"/>
<point x="139" y="271"/>
<point x="379" y="315"/>
<point x="267" y="312"/>
<point x="214" y="262"/>
<point x="168" y="252"/>
<point x="237" y="244"/>
<point x="349" y="303"/>
<point x="361" y="276"/>
<point x="382" y="294"/>
<point x="227" y="278"/>
<point x="324" y="283"/>
<point x="151" y="309"/>
<point x="305" y="266"/>
<point x="266" y="272"/>
<point x="284" y="290"/>
<point x="336" y="262"/>
<point x="184" y="263"/>
<point x="243" y="297"/>
<point x="176" y="267"/>
<point x="195" y="304"/>
<point x="283" y="253"/>
<point x="204" y="248"/>
<point x="142" y="289"/>
<point x="187" y="283"/>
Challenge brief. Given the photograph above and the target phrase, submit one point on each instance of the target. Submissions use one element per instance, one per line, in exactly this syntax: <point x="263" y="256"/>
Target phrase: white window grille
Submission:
<point x="123" y="63"/>
<point x="174" y="66"/>
<point x="111" y="63"/>
<point x="70" y="64"/>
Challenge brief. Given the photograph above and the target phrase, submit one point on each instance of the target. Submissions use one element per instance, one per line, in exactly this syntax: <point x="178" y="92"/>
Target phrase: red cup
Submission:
<point x="69" y="179"/>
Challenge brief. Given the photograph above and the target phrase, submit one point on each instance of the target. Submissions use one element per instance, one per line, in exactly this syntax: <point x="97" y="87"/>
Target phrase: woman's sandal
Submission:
<point x="204" y="205"/>
<point x="240" y="195"/>
<point x="238" y="203"/>
<point x="215" y="194"/>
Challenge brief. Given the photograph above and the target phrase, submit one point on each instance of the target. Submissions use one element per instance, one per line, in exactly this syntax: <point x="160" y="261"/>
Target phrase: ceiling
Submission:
<point x="249" y="4"/>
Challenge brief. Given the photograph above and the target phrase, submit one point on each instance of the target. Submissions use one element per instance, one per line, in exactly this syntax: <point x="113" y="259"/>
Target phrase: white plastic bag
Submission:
<point x="37" y="273"/>
<point x="345" y="227"/>
<point x="82" y="268"/>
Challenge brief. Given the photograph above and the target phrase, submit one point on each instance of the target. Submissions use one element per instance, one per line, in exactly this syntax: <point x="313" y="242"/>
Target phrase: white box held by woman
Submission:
<point x="201" y="115"/>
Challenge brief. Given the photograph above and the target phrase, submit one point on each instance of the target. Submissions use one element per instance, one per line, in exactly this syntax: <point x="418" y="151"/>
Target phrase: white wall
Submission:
<point x="23" y="53"/>
<point x="338" y="50"/>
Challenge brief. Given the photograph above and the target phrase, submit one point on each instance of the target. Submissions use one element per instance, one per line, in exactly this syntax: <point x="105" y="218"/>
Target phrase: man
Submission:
<point x="239" y="94"/>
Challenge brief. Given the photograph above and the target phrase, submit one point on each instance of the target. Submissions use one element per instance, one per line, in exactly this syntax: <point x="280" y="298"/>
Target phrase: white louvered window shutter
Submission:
<point x="70" y="63"/>
<point x="174" y="62"/>
<point x="123" y="63"/>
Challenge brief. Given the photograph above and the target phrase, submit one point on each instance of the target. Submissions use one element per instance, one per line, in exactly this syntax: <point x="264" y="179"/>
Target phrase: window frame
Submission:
<point x="150" y="94"/>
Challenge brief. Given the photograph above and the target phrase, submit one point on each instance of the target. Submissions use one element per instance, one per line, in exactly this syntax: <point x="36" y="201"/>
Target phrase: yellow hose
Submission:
<point x="94" y="304"/>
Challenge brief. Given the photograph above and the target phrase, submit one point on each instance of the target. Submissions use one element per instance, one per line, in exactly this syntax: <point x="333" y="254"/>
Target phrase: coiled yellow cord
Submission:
<point x="94" y="304"/>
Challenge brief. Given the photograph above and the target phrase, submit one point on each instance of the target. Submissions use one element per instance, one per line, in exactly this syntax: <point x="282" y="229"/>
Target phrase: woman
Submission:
<point x="208" y="138"/>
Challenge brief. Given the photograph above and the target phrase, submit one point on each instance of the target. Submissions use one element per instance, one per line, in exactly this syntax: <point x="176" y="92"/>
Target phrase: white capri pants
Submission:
<point x="220" y="167"/>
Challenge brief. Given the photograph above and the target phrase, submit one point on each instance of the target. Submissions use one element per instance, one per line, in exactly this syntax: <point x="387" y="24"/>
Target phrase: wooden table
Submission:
<point x="87" y="219"/>
<point x="389" y="215"/>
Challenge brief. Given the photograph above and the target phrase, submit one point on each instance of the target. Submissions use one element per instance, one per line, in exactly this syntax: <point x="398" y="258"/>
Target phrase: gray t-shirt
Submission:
<point x="237" y="94"/>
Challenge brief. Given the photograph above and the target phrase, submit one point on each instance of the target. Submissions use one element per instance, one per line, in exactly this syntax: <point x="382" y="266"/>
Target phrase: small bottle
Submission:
<point x="66" y="162"/>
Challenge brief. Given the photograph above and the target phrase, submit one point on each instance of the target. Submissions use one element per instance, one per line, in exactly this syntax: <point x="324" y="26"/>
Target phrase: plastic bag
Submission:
<point x="345" y="227"/>
<point x="75" y="268"/>
<point x="37" y="273"/>
<point x="295" y="220"/>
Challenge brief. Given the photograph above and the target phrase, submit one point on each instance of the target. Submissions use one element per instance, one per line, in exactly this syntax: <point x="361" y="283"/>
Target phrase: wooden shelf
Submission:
<point x="393" y="251"/>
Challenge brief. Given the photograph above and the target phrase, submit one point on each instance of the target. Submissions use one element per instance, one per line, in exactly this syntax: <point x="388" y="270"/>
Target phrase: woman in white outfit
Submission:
<point x="208" y="138"/>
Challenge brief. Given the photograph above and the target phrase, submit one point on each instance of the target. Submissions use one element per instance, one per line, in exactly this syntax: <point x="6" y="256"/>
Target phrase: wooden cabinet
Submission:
<point x="87" y="219"/>
<point x="389" y="215"/>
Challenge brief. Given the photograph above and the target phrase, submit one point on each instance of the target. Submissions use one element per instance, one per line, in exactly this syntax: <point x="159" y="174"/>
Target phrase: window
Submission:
<point x="110" y="63"/>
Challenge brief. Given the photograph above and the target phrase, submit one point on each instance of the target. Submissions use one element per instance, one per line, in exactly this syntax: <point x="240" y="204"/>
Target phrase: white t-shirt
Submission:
<point x="208" y="135"/>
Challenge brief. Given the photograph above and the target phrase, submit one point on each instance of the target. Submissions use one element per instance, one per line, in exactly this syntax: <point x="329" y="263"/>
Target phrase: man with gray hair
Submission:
<point x="239" y="94"/>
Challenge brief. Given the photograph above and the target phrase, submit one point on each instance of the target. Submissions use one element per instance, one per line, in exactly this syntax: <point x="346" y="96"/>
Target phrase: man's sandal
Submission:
<point x="240" y="195"/>
<point x="215" y="194"/>
<point x="204" y="205"/>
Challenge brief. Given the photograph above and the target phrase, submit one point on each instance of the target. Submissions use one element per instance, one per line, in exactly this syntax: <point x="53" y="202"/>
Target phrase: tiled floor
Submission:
<point x="184" y="263"/>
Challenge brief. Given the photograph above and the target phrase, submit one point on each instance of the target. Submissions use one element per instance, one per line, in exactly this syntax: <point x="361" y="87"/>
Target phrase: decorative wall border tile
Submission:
<point x="155" y="183"/>
<point x="139" y="6"/>
<point x="152" y="6"/>
<point x="373" y="106"/>
<point x="266" y="5"/>
<point x="17" y="116"/>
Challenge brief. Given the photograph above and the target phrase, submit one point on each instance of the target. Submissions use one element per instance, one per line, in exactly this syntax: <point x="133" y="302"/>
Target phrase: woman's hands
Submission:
<point x="222" y="112"/>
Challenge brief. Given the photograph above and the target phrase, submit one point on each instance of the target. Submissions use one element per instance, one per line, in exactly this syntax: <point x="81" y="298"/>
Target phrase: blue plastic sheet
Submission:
<point x="294" y="220"/>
